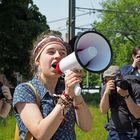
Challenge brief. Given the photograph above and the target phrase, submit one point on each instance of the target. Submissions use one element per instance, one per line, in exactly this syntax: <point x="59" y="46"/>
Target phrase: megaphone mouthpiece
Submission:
<point x="87" y="55"/>
<point x="57" y="68"/>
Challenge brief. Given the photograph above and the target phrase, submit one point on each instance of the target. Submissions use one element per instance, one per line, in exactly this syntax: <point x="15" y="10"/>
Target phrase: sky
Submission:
<point x="57" y="11"/>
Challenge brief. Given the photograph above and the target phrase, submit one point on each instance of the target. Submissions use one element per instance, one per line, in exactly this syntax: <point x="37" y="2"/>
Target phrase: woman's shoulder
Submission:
<point x="23" y="93"/>
<point x="21" y="86"/>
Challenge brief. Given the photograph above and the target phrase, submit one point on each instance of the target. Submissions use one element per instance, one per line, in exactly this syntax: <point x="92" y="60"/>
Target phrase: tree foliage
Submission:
<point x="120" y="24"/>
<point x="20" y="23"/>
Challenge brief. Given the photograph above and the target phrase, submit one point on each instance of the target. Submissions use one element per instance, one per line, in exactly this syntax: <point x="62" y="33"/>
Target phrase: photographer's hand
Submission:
<point x="122" y="92"/>
<point x="136" y="61"/>
<point x="110" y="85"/>
<point x="6" y="103"/>
<point x="6" y="92"/>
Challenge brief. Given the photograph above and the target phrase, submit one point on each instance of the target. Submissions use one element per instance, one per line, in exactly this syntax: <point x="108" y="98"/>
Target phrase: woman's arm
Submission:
<point x="83" y="115"/>
<point x="41" y="128"/>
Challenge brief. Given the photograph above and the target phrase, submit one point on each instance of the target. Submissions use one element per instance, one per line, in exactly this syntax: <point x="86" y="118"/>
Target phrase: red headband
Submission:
<point x="44" y="43"/>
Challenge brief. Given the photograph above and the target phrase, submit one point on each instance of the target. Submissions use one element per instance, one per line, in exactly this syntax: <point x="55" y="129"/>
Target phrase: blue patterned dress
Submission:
<point x="23" y="93"/>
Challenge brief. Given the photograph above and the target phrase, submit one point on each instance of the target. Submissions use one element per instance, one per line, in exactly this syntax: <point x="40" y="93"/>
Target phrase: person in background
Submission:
<point x="132" y="73"/>
<point x="59" y="108"/>
<point x="5" y="97"/>
<point x="134" y="68"/>
<point x="119" y="103"/>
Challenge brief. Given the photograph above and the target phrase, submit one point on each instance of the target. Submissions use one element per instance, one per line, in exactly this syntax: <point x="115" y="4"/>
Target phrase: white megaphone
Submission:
<point x="92" y="51"/>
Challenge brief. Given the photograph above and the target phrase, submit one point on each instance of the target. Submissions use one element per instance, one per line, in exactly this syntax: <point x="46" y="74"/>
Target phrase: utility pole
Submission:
<point x="71" y="27"/>
<point x="71" y="22"/>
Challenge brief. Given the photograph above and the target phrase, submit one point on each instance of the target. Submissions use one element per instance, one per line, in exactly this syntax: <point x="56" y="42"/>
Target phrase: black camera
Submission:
<point x="1" y="94"/>
<point x="123" y="84"/>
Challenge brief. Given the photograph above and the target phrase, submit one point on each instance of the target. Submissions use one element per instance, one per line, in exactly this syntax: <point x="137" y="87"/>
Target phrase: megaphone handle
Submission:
<point x="77" y="90"/>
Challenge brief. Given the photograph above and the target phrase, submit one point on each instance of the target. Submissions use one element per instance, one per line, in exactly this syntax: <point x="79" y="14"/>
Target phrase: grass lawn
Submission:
<point x="98" y="132"/>
<point x="7" y="126"/>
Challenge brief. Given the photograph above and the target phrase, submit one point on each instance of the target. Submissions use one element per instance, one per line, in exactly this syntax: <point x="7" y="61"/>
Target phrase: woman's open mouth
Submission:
<point x="54" y="65"/>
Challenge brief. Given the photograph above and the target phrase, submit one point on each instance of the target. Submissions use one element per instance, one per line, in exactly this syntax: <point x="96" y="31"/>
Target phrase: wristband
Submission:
<point x="62" y="102"/>
<point x="69" y="99"/>
<point x="126" y="97"/>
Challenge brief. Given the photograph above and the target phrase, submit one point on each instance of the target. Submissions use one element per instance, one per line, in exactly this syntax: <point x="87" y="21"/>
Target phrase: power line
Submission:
<point x="85" y="25"/>
<point x="81" y="27"/>
<point x="109" y="11"/>
<point x="57" y="20"/>
<point x="92" y="10"/>
<point x="107" y="30"/>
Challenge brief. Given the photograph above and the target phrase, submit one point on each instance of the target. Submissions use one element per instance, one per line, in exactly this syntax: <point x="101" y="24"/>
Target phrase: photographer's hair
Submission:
<point x="41" y="40"/>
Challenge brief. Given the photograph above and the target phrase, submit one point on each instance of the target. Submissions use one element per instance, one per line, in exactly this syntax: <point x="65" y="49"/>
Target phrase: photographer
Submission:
<point x="5" y="97"/>
<point x="134" y="68"/>
<point x="132" y="74"/>
<point x="119" y="101"/>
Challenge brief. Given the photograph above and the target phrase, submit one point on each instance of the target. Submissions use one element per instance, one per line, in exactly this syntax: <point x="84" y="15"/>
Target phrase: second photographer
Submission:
<point x="117" y="99"/>
<point x="5" y="97"/>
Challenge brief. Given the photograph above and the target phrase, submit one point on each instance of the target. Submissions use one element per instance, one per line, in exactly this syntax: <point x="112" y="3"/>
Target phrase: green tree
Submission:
<point x="120" y="24"/>
<point x="20" y="23"/>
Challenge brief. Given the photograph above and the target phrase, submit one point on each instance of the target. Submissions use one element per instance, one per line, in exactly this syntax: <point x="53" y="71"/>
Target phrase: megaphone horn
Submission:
<point x="92" y="51"/>
<point x="100" y="43"/>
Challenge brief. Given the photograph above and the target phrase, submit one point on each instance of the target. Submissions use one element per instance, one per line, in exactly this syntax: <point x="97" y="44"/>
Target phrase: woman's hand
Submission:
<point x="72" y="78"/>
